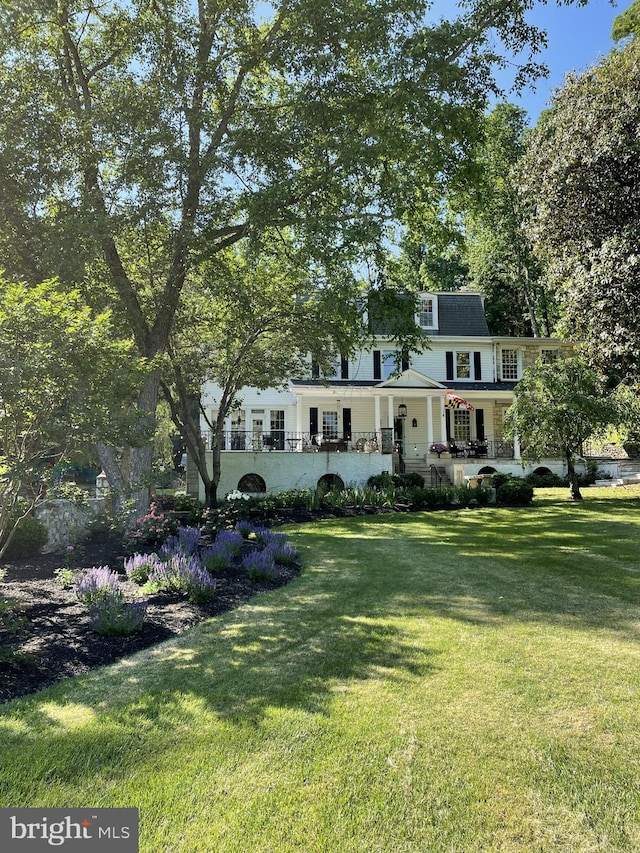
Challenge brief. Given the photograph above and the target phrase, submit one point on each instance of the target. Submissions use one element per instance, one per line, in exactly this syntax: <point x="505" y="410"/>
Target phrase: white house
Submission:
<point x="439" y="412"/>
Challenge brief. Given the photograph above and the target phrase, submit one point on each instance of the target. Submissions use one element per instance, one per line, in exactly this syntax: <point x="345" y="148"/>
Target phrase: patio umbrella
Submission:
<point x="452" y="401"/>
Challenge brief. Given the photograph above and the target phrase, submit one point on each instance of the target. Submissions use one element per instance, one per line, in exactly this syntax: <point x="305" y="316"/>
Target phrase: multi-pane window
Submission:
<point x="426" y="312"/>
<point x="509" y="364"/>
<point x="461" y="425"/>
<point x="330" y="425"/>
<point x="549" y="356"/>
<point x="277" y="429"/>
<point x="463" y="365"/>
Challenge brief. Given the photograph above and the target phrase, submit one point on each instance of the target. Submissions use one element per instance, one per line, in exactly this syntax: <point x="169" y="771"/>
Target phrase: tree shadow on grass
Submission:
<point x="340" y="624"/>
<point x="270" y="654"/>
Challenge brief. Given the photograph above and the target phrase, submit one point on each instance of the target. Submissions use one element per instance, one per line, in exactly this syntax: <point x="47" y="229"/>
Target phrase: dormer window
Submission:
<point x="427" y="316"/>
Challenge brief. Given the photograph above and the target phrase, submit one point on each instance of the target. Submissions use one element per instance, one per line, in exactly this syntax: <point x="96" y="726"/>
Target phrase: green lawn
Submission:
<point x="465" y="681"/>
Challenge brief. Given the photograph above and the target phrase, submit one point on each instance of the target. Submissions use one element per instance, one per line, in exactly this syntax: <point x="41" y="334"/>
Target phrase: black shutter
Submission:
<point x="315" y="370"/>
<point x="447" y="417"/>
<point x="480" y="424"/>
<point x="346" y="424"/>
<point x="405" y="363"/>
<point x="449" y="356"/>
<point x="377" y="364"/>
<point x="477" y="366"/>
<point x="313" y="420"/>
<point x="344" y="368"/>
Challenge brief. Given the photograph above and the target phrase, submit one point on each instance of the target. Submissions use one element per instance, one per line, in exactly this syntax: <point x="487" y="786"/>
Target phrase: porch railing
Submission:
<point x="488" y="449"/>
<point x="304" y="442"/>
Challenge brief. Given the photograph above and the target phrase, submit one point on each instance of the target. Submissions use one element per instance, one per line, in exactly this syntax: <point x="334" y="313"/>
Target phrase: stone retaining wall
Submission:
<point x="66" y="522"/>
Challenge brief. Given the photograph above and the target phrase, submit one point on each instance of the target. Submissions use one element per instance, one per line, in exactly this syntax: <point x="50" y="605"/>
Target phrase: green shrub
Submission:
<point x="191" y="510"/>
<point x="429" y="498"/>
<point x="29" y="538"/>
<point x="545" y="481"/>
<point x="380" y="481"/>
<point x="409" y="480"/>
<point x="515" y="493"/>
<point x="498" y="479"/>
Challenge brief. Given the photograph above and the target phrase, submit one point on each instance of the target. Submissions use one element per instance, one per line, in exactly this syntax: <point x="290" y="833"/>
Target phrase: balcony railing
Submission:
<point x="488" y="449"/>
<point x="304" y="442"/>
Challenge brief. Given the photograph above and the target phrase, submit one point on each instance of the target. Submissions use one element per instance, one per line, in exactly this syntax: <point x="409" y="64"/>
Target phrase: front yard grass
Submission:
<point x="461" y="681"/>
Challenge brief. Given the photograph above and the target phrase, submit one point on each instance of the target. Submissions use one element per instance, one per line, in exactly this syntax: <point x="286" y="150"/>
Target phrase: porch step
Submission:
<point x="419" y="466"/>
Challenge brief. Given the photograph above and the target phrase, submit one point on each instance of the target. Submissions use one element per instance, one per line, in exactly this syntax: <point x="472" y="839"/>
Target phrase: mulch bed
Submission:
<point x="52" y="638"/>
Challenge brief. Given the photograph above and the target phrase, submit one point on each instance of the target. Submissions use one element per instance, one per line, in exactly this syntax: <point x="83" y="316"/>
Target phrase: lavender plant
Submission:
<point x="215" y="558"/>
<point x="244" y="528"/>
<point x="96" y="584"/>
<point x="112" y="615"/>
<point x="183" y="573"/>
<point x="260" y="565"/>
<point x="109" y="612"/>
<point x="139" y="566"/>
<point x="186" y="541"/>
<point x="282" y="551"/>
<point x="231" y="541"/>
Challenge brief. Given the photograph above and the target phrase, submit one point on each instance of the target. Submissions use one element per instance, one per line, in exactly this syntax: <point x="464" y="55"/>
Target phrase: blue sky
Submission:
<point x="578" y="37"/>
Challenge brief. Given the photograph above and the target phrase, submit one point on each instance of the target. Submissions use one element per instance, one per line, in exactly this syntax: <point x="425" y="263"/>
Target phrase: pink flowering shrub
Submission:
<point x="154" y="527"/>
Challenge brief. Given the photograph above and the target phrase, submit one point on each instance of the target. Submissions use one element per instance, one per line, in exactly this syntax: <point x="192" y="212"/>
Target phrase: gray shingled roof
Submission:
<point x="461" y="314"/>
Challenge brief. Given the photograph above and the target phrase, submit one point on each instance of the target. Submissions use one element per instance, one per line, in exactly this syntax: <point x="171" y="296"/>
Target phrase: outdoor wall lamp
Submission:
<point x="402" y="410"/>
<point x="414" y="422"/>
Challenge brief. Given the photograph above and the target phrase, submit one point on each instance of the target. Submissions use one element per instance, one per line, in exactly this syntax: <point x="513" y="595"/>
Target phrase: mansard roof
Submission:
<point x="460" y="314"/>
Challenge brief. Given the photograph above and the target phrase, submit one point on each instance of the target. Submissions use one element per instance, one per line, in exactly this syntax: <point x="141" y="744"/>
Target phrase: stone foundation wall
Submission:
<point x="66" y="522"/>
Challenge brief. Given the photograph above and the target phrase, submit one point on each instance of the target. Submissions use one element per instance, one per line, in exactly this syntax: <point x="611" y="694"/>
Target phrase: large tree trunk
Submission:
<point x="129" y="470"/>
<point x="574" y="485"/>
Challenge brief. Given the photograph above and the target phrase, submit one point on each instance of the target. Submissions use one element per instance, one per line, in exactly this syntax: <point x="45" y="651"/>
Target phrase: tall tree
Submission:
<point x="581" y="174"/>
<point x="557" y="407"/>
<point x="499" y="255"/>
<point x="627" y="23"/>
<point x="252" y="321"/>
<point x="203" y="123"/>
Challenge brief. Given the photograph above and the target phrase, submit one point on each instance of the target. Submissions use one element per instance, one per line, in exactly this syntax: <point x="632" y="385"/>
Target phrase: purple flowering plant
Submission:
<point x="259" y="565"/>
<point x="282" y="551"/>
<point x="114" y="616"/>
<point x="96" y="584"/>
<point x="215" y="558"/>
<point x="183" y="573"/>
<point x="231" y="540"/>
<point x="139" y="566"/>
<point x="101" y="591"/>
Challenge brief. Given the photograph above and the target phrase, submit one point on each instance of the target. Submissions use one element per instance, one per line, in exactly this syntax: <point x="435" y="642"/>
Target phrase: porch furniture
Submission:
<point x="334" y="445"/>
<point x="456" y="451"/>
<point x="477" y="448"/>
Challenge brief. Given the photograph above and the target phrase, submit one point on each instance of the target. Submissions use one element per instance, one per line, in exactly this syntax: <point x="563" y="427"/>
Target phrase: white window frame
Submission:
<point x="433" y="312"/>
<point x="513" y="364"/>
<point x="330" y="425"/>
<point x="461" y="425"/>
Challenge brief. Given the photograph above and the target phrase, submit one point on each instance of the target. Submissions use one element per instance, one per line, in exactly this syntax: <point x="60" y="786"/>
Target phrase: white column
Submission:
<point x="390" y="412"/>
<point x="429" y="421"/>
<point x="298" y="445"/>
<point x="443" y="421"/>
<point x="376" y="413"/>
<point x="516" y="446"/>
